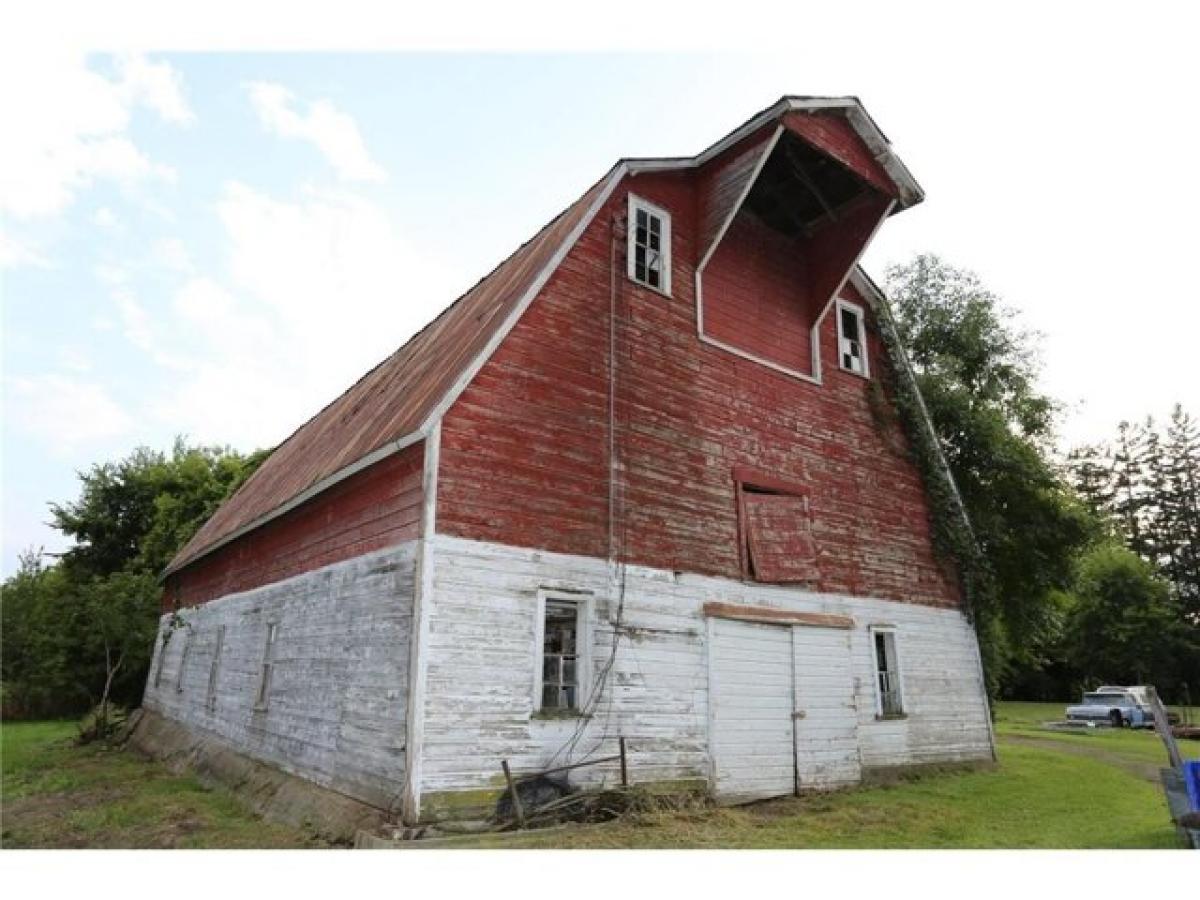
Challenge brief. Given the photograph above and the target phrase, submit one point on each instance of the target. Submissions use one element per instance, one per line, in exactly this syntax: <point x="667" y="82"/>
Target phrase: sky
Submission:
<point x="216" y="244"/>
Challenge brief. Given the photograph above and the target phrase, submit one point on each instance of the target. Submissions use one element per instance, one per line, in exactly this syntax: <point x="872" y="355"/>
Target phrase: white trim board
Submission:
<point x="423" y="598"/>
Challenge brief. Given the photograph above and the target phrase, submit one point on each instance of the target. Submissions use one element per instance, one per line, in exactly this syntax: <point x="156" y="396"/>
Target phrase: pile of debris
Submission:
<point x="590" y="806"/>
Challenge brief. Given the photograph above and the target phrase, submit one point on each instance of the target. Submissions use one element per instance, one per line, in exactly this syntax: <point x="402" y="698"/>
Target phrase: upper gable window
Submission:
<point x="649" y="245"/>
<point x="852" y="338"/>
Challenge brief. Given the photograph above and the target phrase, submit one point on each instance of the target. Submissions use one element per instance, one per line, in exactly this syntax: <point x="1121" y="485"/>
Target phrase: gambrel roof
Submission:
<point x="400" y="400"/>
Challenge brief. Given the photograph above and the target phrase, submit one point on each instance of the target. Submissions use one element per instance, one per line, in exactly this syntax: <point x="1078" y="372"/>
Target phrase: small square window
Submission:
<point x="649" y="245"/>
<point x="889" y="703"/>
<point x="852" y="338"/>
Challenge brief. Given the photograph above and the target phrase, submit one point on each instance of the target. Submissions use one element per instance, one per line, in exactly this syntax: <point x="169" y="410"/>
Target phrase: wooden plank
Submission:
<point x="779" y="533"/>
<point x="772" y="615"/>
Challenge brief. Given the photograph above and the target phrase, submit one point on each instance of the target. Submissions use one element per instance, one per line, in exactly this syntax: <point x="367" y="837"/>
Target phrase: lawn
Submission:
<point x="55" y="794"/>
<point x="1051" y="790"/>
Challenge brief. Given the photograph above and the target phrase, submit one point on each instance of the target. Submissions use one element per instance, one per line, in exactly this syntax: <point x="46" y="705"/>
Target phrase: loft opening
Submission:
<point x="769" y="279"/>
<point x="775" y="536"/>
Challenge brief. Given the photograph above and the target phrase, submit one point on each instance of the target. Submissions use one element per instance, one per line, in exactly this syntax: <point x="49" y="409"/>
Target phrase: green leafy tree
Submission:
<point x="1123" y="627"/>
<point x="119" y="614"/>
<point x="977" y="372"/>
<point x="82" y="632"/>
<point x="134" y="514"/>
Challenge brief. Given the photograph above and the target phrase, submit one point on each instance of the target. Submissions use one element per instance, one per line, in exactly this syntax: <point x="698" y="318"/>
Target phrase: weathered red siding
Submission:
<point x="836" y="136"/>
<point x="524" y="449"/>
<point x="375" y="508"/>
<point x="756" y="295"/>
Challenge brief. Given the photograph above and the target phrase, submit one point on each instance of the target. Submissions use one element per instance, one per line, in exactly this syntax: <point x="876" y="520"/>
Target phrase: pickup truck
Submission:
<point x="1116" y="708"/>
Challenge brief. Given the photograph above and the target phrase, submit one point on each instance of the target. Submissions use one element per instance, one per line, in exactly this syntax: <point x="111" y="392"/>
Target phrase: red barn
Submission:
<point x="635" y="483"/>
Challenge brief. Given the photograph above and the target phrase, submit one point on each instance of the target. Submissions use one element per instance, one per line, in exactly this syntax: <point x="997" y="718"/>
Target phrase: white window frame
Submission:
<point x="268" y="666"/>
<point x="210" y="700"/>
<point x="861" y="337"/>
<point x="162" y="656"/>
<point x="183" y="658"/>
<point x="584" y="619"/>
<point x="890" y="632"/>
<point x="636" y="203"/>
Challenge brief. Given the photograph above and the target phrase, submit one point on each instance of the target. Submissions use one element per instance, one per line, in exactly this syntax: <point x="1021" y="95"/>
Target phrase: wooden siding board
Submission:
<point x="480" y="696"/>
<point x="835" y="136"/>
<point x="336" y="711"/>
<point x="526" y="461"/>
<point x="377" y="507"/>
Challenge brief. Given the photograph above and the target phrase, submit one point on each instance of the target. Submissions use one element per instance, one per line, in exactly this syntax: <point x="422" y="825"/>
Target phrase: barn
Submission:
<point x="645" y="480"/>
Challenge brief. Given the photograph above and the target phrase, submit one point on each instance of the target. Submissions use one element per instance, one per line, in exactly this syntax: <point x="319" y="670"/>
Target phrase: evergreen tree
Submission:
<point x="1090" y="468"/>
<point x="1129" y="495"/>
<point x="1181" y="510"/>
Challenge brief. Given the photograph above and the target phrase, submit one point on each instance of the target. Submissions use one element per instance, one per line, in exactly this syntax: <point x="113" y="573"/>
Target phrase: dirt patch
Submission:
<point x="1143" y="770"/>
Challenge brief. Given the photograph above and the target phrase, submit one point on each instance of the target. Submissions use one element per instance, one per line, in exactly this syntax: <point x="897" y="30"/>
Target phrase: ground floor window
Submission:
<point x="562" y="646"/>
<point x="268" y="665"/>
<point x="211" y="700"/>
<point x="889" y="701"/>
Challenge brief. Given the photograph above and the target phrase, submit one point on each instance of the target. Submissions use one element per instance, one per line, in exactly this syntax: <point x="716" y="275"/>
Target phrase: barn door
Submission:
<point x="750" y="695"/>
<point x="782" y="715"/>
<point x="826" y="730"/>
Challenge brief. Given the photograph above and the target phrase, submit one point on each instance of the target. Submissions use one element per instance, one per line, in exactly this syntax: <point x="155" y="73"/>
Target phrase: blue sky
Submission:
<point x="216" y="245"/>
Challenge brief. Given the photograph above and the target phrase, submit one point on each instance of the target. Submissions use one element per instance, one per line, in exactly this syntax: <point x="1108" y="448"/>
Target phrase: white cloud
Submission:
<point x="319" y="289"/>
<point x="64" y="412"/>
<point x="172" y="254"/>
<point x="157" y="85"/>
<point x="134" y="321"/>
<point x="105" y="218"/>
<point x="68" y="127"/>
<point x="332" y="131"/>
<point x="15" y="253"/>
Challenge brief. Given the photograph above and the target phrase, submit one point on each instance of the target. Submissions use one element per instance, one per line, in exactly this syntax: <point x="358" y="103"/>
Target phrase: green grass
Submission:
<point x="55" y="794"/>
<point x="1026" y="720"/>
<point x="1050" y="790"/>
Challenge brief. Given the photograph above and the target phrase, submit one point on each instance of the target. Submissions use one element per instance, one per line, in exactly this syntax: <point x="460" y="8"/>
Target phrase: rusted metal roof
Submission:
<point x="394" y="399"/>
<point x="399" y="399"/>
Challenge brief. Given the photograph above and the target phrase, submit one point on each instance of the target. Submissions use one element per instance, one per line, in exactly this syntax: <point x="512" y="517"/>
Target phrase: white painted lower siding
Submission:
<point x="481" y="660"/>
<point x="335" y="711"/>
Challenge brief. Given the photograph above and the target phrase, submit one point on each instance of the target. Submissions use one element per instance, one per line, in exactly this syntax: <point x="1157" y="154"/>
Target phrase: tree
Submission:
<point x="135" y="514"/>
<point x="82" y="631"/>
<point x="120" y="622"/>
<point x="1123" y="628"/>
<point x="1180" y="503"/>
<point x="1131" y="503"/>
<point x="1090" y="469"/>
<point x="977" y="373"/>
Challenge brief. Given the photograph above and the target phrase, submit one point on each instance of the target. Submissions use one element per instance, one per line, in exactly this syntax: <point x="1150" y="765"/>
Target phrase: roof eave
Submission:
<point x="911" y="192"/>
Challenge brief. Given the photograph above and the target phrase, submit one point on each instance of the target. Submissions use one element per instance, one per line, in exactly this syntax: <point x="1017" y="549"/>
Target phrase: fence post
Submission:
<point x="624" y="769"/>
<point x="512" y="790"/>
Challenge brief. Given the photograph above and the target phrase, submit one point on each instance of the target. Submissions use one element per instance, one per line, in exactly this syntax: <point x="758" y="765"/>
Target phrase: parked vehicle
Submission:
<point x="1141" y="694"/>
<point x="1116" y="707"/>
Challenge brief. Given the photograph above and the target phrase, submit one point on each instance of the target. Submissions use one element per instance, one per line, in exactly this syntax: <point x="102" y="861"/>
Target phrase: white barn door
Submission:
<point x="750" y="692"/>
<point x="782" y="709"/>
<point x="827" y="721"/>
